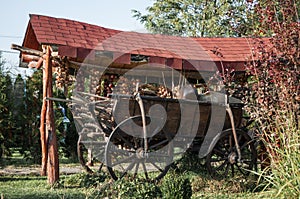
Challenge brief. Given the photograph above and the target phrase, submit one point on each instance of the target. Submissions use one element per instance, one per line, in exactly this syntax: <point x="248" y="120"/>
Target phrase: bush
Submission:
<point x="176" y="186"/>
<point x="190" y="161"/>
<point x="125" y="188"/>
<point x="84" y="180"/>
<point x="274" y="96"/>
<point x="283" y="174"/>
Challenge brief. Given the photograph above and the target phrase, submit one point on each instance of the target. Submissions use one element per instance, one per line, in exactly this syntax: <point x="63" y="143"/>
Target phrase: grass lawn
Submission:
<point x="100" y="185"/>
<point x="31" y="187"/>
<point x="36" y="187"/>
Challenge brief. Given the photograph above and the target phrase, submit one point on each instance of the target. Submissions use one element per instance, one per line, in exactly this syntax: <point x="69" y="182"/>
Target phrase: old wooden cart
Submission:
<point x="141" y="136"/>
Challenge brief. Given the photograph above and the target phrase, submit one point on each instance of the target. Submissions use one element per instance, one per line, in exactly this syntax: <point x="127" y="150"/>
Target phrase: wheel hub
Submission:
<point x="232" y="157"/>
<point x="140" y="153"/>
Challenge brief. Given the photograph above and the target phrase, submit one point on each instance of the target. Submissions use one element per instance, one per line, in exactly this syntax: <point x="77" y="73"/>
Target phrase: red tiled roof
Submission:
<point x="72" y="36"/>
<point x="50" y="30"/>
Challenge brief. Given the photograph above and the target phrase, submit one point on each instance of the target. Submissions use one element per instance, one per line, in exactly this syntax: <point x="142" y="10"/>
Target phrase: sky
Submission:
<point x="14" y="17"/>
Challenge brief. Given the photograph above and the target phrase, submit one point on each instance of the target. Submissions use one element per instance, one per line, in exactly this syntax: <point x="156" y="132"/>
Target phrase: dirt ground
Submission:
<point x="35" y="170"/>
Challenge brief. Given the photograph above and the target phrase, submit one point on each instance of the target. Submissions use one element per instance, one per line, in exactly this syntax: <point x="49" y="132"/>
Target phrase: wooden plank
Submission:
<point x="175" y="63"/>
<point x="121" y="58"/>
<point x="157" y="60"/>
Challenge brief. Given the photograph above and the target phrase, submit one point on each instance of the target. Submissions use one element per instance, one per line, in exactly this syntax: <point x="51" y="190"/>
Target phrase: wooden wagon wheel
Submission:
<point x="90" y="138"/>
<point x="125" y="154"/>
<point x="223" y="159"/>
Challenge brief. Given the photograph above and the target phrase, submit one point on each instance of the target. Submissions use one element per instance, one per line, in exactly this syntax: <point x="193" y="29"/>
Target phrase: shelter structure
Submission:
<point x="62" y="46"/>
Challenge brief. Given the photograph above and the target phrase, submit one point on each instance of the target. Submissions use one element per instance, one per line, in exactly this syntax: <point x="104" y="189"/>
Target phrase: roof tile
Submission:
<point x="83" y="35"/>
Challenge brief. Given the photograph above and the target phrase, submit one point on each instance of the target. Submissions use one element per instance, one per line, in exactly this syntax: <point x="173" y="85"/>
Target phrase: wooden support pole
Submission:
<point x="50" y="164"/>
<point x="43" y="136"/>
<point x="53" y="164"/>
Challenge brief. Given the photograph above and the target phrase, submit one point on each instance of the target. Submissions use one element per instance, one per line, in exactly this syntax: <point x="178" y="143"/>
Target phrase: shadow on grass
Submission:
<point x="8" y="178"/>
<point x="44" y="195"/>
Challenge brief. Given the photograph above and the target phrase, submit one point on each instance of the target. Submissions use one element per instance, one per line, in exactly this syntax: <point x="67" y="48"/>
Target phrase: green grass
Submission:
<point x="82" y="185"/>
<point x="29" y="187"/>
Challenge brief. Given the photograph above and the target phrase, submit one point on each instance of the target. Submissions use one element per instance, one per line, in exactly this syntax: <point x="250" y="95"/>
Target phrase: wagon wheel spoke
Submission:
<point x="226" y="143"/>
<point x="116" y="150"/>
<point x="155" y="165"/>
<point x="126" y="151"/>
<point x="241" y="169"/>
<point x="222" y="165"/>
<point x="136" y="170"/>
<point x="145" y="171"/>
<point x="239" y="138"/>
<point x="160" y="156"/>
<point x="218" y="160"/>
<point x="127" y="142"/>
<point x="219" y="152"/>
<point x="227" y="169"/>
<point x="221" y="170"/>
<point x="248" y="162"/>
<point x="129" y="167"/>
<point x="126" y="160"/>
<point x="232" y="170"/>
<point x="231" y="142"/>
<point x="244" y="145"/>
<point x="158" y="144"/>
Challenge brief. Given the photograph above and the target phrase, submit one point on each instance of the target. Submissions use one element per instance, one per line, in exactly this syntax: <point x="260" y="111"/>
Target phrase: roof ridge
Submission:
<point x="71" y="20"/>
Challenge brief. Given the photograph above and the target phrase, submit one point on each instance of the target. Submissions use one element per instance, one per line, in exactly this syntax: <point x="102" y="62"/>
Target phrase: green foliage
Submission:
<point x="191" y="162"/>
<point x="283" y="175"/>
<point x="176" y="186"/>
<point x="199" y="17"/>
<point x="20" y="105"/>
<point x="19" y="113"/>
<point x="84" y="180"/>
<point x="135" y="188"/>
<point x="236" y="184"/>
<point x="31" y="148"/>
<point x="6" y="124"/>
<point x="274" y="96"/>
<point x="66" y="132"/>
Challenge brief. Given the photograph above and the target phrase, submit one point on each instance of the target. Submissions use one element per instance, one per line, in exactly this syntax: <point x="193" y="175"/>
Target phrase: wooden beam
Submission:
<point x="27" y="50"/>
<point x="30" y="58"/>
<point x="36" y="64"/>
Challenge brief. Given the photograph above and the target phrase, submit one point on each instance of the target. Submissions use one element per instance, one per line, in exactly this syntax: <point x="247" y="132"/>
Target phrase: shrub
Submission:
<point x="84" y="180"/>
<point x="176" y="186"/>
<point x="274" y="96"/>
<point x="125" y="188"/>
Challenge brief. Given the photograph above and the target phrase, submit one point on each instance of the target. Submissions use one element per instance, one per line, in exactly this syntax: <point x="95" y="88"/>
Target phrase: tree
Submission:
<point x="33" y="102"/>
<point x="199" y="17"/>
<point x="6" y="124"/>
<point x="19" y="114"/>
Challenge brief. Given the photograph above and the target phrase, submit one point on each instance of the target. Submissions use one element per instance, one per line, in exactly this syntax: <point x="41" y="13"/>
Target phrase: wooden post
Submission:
<point x="53" y="164"/>
<point x="43" y="136"/>
<point x="50" y="164"/>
